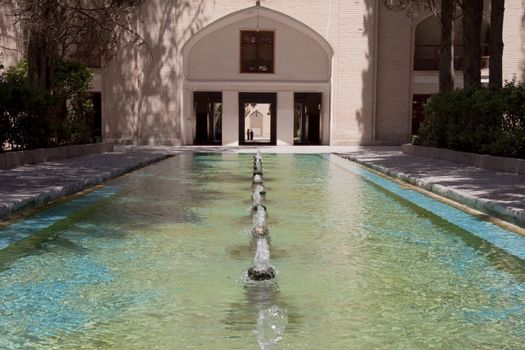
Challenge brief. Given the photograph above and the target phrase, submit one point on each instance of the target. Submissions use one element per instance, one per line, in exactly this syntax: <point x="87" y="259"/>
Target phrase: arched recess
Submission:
<point x="427" y="37"/>
<point x="211" y="62"/>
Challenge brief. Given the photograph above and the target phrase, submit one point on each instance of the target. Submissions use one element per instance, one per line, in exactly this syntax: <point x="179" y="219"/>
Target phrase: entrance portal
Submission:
<point x="208" y="113"/>
<point x="307" y="119"/>
<point x="257" y="118"/>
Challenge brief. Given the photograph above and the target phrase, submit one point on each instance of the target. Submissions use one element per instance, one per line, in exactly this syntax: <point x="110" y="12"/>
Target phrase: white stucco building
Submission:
<point x="332" y="72"/>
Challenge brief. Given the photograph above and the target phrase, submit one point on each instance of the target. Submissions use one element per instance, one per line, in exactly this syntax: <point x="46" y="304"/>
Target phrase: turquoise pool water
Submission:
<point x="157" y="259"/>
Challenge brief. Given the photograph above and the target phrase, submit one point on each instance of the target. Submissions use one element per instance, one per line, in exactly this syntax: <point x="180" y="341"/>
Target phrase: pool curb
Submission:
<point x="484" y="205"/>
<point x="57" y="192"/>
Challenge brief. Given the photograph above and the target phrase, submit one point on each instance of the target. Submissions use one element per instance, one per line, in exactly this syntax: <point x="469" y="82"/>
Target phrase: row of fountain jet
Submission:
<point x="261" y="269"/>
<point x="271" y="321"/>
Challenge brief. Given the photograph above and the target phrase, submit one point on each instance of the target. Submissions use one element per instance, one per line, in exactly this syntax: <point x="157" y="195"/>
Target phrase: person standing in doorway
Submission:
<point x="251" y="135"/>
<point x="248" y="134"/>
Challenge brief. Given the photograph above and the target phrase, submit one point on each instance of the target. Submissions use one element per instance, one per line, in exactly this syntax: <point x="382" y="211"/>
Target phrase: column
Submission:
<point x="325" y="115"/>
<point x="230" y="118"/>
<point x="285" y="118"/>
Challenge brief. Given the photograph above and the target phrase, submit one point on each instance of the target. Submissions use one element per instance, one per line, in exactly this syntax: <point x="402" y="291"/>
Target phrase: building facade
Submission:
<point x="332" y="72"/>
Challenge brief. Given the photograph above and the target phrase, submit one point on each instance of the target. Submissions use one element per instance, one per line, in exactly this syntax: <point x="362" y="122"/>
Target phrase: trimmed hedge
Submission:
<point x="477" y="120"/>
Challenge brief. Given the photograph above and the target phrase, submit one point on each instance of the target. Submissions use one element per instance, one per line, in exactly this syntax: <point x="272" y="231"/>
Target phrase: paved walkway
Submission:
<point x="31" y="185"/>
<point x="498" y="194"/>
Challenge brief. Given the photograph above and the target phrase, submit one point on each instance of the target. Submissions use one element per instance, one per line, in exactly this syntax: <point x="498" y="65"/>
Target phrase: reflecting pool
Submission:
<point x="157" y="259"/>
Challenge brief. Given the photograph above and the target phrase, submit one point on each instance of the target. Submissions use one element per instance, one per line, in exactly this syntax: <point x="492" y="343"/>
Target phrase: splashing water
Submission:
<point x="260" y="227"/>
<point x="262" y="255"/>
<point x="261" y="271"/>
<point x="257" y="199"/>
<point x="257" y="156"/>
<point x="257" y="179"/>
<point x="259" y="189"/>
<point x="258" y="167"/>
<point x="270" y="327"/>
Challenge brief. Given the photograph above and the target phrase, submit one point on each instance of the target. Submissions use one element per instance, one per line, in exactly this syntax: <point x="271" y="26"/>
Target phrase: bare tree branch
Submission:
<point x="104" y="25"/>
<point x="10" y="49"/>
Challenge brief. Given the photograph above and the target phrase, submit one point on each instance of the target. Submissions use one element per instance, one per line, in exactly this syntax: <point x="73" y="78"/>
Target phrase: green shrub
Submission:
<point x="31" y="117"/>
<point x="477" y="120"/>
<point x="23" y="111"/>
<point x="70" y="90"/>
<point x="513" y="123"/>
<point x="433" y="130"/>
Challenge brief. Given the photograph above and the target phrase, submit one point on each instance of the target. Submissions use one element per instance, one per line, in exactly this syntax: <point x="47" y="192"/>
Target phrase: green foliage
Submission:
<point x="513" y="124"/>
<point x="31" y="117"/>
<point x="477" y="120"/>
<point x="23" y="111"/>
<point x="70" y="89"/>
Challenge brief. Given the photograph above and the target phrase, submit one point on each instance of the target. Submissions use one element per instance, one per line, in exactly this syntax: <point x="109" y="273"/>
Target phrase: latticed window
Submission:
<point x="257" y="51"/>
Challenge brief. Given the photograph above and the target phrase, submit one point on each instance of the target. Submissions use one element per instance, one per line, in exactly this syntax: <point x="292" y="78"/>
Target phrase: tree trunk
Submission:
<point x="472" y="18"/>
<point x="446" y="51"/>
<point x="496" y="44"/>
<point x="40" y="52"/>
<point x="38" y="60"/>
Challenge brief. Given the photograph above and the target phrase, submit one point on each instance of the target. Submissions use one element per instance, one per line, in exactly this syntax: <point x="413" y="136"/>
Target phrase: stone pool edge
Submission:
<point x="57" y="192"/>
<point x="483" y="205"/>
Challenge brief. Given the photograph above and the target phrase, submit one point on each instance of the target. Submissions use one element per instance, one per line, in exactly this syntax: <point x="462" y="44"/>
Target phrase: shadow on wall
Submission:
<point x="353" y="98"/>
<point x="11" y="41"/>
<point x="364" y="116"/>
<point x="522" y="34"/>
<point x="352" y="115"/>
<point x="144" y="91"/>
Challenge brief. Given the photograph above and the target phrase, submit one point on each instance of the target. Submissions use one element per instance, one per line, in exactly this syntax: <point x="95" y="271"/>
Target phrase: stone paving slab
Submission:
<point x="32" y="185"/>
<point x="498" y="194"/>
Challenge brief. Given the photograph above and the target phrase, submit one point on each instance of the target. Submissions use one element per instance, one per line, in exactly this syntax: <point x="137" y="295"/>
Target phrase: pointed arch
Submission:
<point x="250" y="13"/>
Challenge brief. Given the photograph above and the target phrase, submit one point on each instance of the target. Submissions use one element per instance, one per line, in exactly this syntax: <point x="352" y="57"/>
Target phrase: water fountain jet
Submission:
<point x="256" y="199"/>
<point x="260" y="189"/>
<point x="257" y="168"/>
<point x="257" y="156"/>
<point x="258" y="196"/>
<point x="261" y="270"/>
<point x="260" y="227"/>
<point x="257" y="179"/>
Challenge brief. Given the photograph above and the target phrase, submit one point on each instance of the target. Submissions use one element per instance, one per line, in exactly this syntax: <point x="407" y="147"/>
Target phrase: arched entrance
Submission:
<point x="254" y="52"/>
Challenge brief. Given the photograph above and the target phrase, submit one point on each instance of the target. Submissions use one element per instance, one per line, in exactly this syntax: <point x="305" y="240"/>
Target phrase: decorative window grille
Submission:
<point x="257" y="49"/>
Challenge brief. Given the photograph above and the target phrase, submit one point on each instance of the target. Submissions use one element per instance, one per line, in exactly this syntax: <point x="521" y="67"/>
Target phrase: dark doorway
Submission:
<point x="208" y="113"/>
<point x="257" y="118"/>
<point x="94" y="119"/>
<point x="307" y="118"/>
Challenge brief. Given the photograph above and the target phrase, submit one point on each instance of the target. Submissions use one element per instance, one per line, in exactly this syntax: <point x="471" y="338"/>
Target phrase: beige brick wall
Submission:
<point x="353" y="72"/>
<point x="393" y="85"/>
<point x="514" y="40"/>
<point x="140" y="96"/>
<point x="147" y="99"/>
<point x="11" y="43"/>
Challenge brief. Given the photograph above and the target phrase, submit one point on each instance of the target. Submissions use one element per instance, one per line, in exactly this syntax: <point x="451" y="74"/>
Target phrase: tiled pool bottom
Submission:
<point x="158" y="262"/>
